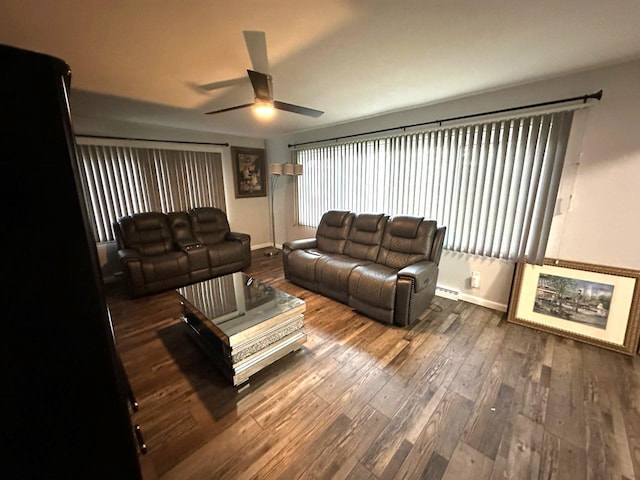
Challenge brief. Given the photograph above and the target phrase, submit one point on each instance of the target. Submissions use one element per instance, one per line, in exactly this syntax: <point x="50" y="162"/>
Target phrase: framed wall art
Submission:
<point x="595" y="304"/>
<point x="249" y="171"/>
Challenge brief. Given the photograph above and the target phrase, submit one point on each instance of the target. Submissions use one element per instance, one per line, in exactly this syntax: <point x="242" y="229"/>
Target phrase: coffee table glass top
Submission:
<point x="237" y="302"/>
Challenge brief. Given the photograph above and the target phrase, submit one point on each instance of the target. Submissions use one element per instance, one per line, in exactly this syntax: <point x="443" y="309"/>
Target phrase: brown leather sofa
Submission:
<point x="161" y="251"/>
<point x="385" y="268"/>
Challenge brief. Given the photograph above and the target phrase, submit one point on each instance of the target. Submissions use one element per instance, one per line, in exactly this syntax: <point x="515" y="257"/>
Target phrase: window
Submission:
<point x="493" y="185"/>
<point x="122" y="180"/>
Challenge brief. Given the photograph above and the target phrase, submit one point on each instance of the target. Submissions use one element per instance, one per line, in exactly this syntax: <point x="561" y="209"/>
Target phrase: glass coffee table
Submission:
<point x="241" y="323"/>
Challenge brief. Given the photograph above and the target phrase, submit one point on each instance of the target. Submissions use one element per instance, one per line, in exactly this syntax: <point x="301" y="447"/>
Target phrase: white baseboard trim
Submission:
<point x="262" y="245"/>
<point x="455" y="294"/>
<point x="483" y="302"/>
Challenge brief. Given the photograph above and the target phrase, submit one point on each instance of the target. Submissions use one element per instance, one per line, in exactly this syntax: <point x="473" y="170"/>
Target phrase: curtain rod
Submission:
<point x="584" y="98"/>
<point x="151" y="140"/>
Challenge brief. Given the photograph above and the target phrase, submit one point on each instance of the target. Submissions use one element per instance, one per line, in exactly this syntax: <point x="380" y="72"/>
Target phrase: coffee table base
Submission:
<point x="240" y="361"/>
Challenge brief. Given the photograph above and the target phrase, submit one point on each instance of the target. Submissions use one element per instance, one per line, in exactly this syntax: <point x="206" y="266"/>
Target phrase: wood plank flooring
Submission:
<point x="460" y="394"/>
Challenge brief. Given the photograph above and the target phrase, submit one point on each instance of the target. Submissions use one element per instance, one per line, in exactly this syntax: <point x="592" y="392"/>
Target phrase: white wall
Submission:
<point x="246" y="215"/>
<point x="601" y="171"/>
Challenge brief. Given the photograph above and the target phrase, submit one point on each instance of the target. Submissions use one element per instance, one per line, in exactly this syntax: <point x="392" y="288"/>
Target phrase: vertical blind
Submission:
<point x="493" y="185"/>
<point x="122" y="180"/>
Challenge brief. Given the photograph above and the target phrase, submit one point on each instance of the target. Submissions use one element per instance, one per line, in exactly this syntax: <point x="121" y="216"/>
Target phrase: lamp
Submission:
<point x="263" y="108"/>
<point x="277" y="170"/>
<point x="287" y="169"/>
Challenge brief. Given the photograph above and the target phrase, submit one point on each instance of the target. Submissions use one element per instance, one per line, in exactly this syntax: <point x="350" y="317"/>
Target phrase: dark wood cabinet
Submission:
<point x="66" y="412"/>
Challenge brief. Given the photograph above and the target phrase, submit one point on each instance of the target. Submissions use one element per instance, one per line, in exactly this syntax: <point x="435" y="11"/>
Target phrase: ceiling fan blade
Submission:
<point x="257" y="47"/>
<point x="310" y="112"/>
<point x="223" y="84"/>
<point x="237" y="107"/>
<point x="261" y="85"/>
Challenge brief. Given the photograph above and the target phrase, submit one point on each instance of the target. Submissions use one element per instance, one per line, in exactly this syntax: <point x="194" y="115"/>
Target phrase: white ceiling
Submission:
<point x="142" y="60"/>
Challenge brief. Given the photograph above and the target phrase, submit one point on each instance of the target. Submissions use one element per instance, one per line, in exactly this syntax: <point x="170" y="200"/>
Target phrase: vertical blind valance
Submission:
<point x="121" y="180"/>
<point x="493" y="185"/>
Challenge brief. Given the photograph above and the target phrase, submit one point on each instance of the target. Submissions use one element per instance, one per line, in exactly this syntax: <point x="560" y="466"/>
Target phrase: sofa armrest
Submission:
<point x="245" y="242"/>
<point x="299" y="244"/>
<point x="239" y="237"/>
<point x="438" y="243"/>
<point x="420" y="274"/>
<point x="130" y="261"/>
<point x="415" y="288"/>
<point x="127" y="255"/>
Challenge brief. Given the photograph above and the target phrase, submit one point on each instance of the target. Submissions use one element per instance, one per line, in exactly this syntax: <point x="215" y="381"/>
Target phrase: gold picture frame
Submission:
<point x="249" y="172"/>
<point x="594" y="304"/>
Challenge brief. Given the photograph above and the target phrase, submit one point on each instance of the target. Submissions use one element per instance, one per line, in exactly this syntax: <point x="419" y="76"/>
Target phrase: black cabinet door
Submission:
<point x="67" y="413"/>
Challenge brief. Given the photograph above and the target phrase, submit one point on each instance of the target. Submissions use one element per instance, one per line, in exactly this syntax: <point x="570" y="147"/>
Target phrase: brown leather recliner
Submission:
<point x="161" y="251"/>
<point x="384" y="268"/>
<point x="148" y="257"/>
<point x="400" y="285"/>
<point x="227" y="250"/>
<point x="300" y="257"/>
<point x="360" y="249"/>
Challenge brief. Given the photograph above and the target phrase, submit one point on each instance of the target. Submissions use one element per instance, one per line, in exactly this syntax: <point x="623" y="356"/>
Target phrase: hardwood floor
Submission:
<point x="461" y="394"/>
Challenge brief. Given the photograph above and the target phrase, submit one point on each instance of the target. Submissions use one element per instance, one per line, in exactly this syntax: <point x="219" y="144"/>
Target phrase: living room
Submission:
<point x="580" y="49"/>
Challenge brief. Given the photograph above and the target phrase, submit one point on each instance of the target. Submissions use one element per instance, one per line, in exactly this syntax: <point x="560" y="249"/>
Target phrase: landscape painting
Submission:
<point x="573" y="299"/>
<point x="595" y="304"/>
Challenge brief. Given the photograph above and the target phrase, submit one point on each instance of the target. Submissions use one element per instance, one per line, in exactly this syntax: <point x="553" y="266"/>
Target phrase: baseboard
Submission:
<point x="483" y="302"/>
<point x="453" y="294"/>
<point x="262" y="245"/>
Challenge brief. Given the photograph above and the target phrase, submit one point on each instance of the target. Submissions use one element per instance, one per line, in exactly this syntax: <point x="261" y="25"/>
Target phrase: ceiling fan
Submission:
<point x="264" y="102"/>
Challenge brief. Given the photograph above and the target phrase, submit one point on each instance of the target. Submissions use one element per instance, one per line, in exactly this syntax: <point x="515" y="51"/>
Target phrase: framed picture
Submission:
<point x="249" y="172"/>
<point x="590" y="303"/>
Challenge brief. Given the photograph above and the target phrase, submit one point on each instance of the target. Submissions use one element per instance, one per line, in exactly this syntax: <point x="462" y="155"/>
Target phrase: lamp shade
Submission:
<point x="275" y="169"/>
<point x="297" y="169"/>
<point x="287" y="169"/>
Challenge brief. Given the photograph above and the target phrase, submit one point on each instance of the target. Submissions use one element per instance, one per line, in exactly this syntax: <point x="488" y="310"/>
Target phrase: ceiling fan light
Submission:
<point x="263" y="108"/>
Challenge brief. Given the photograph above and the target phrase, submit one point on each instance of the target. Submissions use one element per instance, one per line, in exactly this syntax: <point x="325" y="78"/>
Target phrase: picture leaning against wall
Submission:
<point x="595" y="304"/>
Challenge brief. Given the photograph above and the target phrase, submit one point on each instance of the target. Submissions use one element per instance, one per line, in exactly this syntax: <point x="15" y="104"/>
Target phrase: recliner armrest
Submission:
<point x="438" y="244"/>
<point x="239" y="237"/>
<point x="128" y="255"/>
<point x="420" y="274"/>
<point x="131" y="263"/>
<point x="299" y="244"/>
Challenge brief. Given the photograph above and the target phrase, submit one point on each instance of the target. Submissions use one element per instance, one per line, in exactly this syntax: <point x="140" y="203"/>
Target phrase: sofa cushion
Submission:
<point x="365" y="236"/>
<point x="333" y="231"/>
<point x="406" y="240"/>
<point x="225" y="253"/>
<point x="180" y="227"/>
<point x="148" y="233"/>
<point x="334" y="218"/>
<point x="302" y="264"/>
<point x="332" y="273"/>
<point x="374" y="284"/>
<point x="210" y="225"/>
<point x="170" y="265"/>
<point x="405" y="227"/>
